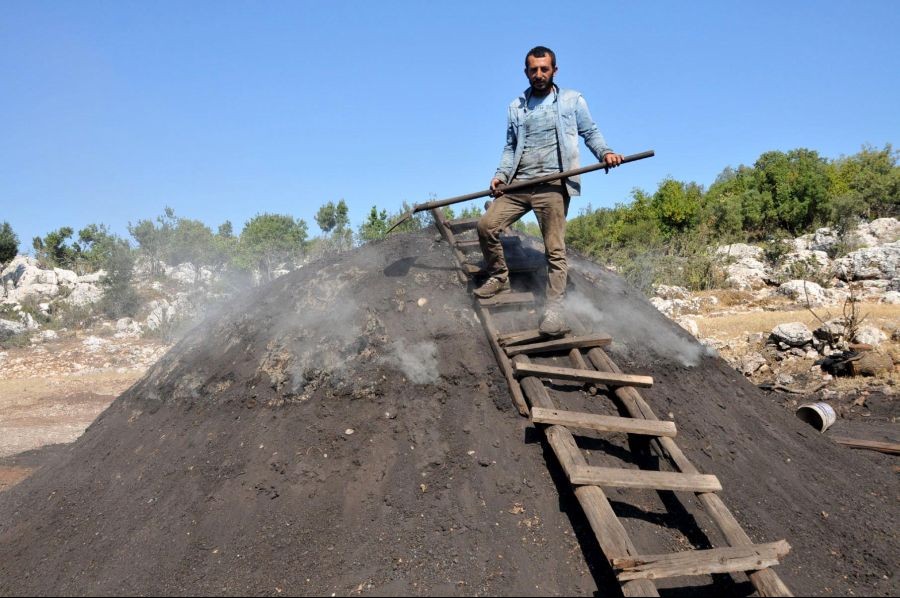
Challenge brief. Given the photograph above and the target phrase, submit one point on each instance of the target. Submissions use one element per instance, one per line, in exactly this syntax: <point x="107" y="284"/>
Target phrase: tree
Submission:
<point x="226" y="231"/>
<point x="191" y="242"/>
<point x="93" y="247"/>
<point x="331" y="216"/>
<point x="225" y="245"/>
<point x="471" y="212"/>
<point x="798" y="184"/>
<point x="120" y="298"/>
<point x="52" y="251"/>
<point x="153" y="238"/>
<point x="9" y="243"/>
<point x="269" y="240"/>
<point x="869" y="181"/>
<point x="677" y="205"/>
<point x="334" y="220"/>
<point x="374" y="227"/>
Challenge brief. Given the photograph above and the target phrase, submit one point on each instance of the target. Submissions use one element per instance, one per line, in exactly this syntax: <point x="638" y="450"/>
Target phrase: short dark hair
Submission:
<point x="540" y="52"/>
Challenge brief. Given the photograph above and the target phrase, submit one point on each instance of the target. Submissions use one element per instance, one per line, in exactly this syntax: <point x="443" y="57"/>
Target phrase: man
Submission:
<point x="542" y="134"/>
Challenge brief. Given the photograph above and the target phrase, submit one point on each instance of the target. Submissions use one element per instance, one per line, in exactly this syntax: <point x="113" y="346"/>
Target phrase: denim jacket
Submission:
<point x="573" y="119"/>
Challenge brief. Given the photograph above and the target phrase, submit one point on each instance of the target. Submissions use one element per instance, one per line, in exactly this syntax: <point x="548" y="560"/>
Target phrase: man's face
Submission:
<point x="540" y="73"/>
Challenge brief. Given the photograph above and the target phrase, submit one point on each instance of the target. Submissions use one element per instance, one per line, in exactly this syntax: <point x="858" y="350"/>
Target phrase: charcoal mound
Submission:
<point x="345" y="430"/>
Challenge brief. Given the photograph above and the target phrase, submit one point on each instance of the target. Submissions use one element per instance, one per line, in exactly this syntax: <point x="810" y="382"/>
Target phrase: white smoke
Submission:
<point x="418" y="361"/>
<point x="623" y="319"/>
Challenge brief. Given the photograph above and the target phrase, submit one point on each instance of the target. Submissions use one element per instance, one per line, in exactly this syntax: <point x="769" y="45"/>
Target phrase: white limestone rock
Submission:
<point x="37" y="291"/>
<point x="870" y="335"/>
<point x="813" y="262"/>
<point x="747" y="274"/>
<point x="878" y="232"/>
<point x="837" y="295"/>
<point x="676" y="307"/>
<point x="750" y="363"/>
<point x="127" y="328"/>
<point x="792" y="334"/>
<point x="882" y="262"/>
<point x="22" y="279"/>
<point x="48" y="336"/>
<point x="65" y="277"/>
<point x="824" y="239"/>
<point x="92" y="278"/>
<point x="161" y="313"/>
<point x="739" y="251"/>
<point x="94" y="343"/>
<point x="10" y="328"/>
<point x="28" y="321"/>
<point x="690" y="325"/>
<point x="803" y="291"/>
<point x="671" y="292"/>
<point x="84" y="293"/>
<point x="183" y="273"/>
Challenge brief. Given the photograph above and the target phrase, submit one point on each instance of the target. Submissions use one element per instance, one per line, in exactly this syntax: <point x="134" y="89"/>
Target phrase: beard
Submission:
<point x="542" y="87"/>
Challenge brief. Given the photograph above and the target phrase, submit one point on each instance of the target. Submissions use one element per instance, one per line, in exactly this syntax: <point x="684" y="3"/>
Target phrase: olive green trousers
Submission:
<point x="550" y="203"/>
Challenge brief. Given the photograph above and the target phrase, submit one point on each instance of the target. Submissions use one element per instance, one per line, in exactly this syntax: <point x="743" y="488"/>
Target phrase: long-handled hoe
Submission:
<point x="439" y="203"/>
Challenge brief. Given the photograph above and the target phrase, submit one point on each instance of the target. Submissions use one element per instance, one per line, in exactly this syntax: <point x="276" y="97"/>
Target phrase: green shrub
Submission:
<point x="9" y="244"/>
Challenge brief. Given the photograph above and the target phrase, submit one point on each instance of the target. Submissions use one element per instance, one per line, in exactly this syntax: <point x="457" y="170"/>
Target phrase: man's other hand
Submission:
<point x="496" y="187"/>
<point x="612" y="160"/>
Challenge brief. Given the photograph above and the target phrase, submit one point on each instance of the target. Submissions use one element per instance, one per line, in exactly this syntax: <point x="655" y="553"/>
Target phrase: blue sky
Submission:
<point x="110" y="111"/>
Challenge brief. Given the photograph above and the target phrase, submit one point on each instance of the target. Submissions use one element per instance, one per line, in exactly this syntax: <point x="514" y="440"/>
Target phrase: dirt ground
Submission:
<point x="50" y="393"/>
<point x="346" y="431"/>
<point x="55" y="409"/>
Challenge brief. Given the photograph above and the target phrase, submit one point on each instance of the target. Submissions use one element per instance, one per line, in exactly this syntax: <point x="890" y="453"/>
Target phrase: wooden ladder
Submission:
<point x="593" y="367"/>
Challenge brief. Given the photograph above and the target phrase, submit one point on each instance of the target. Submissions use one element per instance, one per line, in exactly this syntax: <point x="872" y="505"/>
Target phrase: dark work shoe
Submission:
<point x="553" y="323"/>
<point x="493" y="286"/>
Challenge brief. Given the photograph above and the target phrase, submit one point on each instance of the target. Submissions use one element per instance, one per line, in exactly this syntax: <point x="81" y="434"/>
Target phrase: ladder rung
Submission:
<point x="701" y="562"/>
<point x="510" y="242"/>
<point x="461" y="224"/>
<point x="515" y="267"/>
<point x="561" y="344"/>
<point x="468" y="244"/>
<point x="603" y="423"/>
<point x="507" y="299"/>
<point x="518" y="338"/>
<point x="590" y="475"/>
<point x="607" y="378"/>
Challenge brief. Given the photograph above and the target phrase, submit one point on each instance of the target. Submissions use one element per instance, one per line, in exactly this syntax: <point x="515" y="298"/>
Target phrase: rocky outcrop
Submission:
<point x="739" y="251"/>
<point x="804" y="261"/>
<point x="10" y="328"/>
<point x="824" y="239"/>
<point x="804" y="291"/>
<point x="23" y="280"/>
<point x="871" y="263"/>
<point x="748" y="274"/>
<point x="677" y="301"/>
<point x="878" y="232"/>
<point x="187" y="274"/>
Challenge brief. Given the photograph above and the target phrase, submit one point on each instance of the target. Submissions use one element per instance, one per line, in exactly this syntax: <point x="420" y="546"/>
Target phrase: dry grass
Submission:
<point x="730" y="297"/>
<point x="884" y="316"/>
